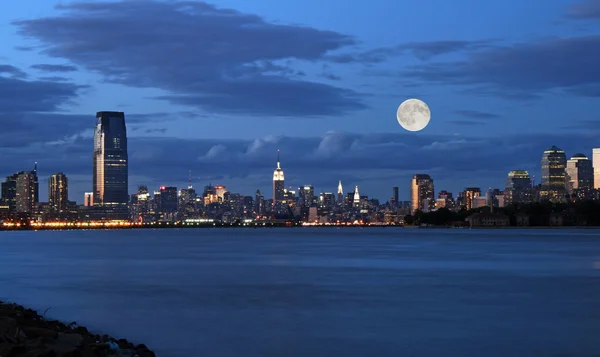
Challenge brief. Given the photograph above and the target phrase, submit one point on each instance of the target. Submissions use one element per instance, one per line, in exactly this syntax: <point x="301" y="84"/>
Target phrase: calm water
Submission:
<point x="328" y="292"/>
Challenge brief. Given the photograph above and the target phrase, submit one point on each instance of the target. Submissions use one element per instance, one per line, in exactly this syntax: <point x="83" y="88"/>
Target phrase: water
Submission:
<point x="318" y="292"/>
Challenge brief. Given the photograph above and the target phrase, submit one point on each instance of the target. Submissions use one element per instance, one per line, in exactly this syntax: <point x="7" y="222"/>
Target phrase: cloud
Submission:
<point x="421" y="50"/>
<point x="12" y="71"/>
<point x="586" y="10"/>
<point x="54" y="67"/>
<point x="560" y="63"/>
<point x="474" y="114"/>
<point x="206" y="57"/>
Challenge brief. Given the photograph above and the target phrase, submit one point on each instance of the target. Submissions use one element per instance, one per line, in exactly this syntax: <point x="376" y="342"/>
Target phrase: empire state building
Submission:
<point x="278" y="182"/>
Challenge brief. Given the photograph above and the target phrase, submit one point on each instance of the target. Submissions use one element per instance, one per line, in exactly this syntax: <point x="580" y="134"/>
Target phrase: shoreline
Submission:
<point x="24" y="332"/>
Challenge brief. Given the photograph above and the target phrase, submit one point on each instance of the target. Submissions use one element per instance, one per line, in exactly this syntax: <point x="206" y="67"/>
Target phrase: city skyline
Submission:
<point x="329" y="103"/>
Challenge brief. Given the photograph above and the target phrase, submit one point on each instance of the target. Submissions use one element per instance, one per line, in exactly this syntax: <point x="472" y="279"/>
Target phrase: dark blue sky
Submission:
<point x="217" y="87"/>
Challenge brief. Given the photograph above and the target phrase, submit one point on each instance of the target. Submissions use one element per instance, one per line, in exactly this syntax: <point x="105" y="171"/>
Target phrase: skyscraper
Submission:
<point x="110" y="165"/>
<point x="469" y="195"/>
<point x="9" y="192"/>
<point x="395" y="196"/>
<point x="554" y="176"/>
<point x="421" y="193"/>
<point x="58" y="193"/>
<point x="88" y="199"/>
<point x="596" y="164"/>
<point x="27" y="191"/>
<point x="518" y="188"/>
<point x="340" y="193"/>
<point x="278" y="183"/>
<point x="580" y="176"/>
<point x="356" y="199"/>
<point x="307" y="195"/>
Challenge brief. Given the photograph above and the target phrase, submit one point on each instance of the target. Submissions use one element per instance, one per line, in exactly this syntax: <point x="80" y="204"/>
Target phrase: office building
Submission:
<point x="278" y="183"/>
<point x="340" y="193"/>
<point x="469" y="195"/>
<point x="9" y="192"/>
<point x="88" y="199"/>
<point x="580" y="177"/>
<point x="596" y="164"/>
<point x="110" y="165"/>
<point x="307" y="195"/>
<point x="421" y="193"/>
<point x="58" y="193"/>
<point x="356" y="197"/>
<point x="395" y="197"/>
<point x="518" y="188"/>
<point x="27" y="191"/>
<point x="554" y="175"/>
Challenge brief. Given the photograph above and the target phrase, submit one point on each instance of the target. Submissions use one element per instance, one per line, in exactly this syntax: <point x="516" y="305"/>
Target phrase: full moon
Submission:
<point x="413" y="115"/>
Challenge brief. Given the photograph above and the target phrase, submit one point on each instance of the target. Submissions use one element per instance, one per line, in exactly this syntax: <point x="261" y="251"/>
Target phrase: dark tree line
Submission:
<point x="580" y="213"/>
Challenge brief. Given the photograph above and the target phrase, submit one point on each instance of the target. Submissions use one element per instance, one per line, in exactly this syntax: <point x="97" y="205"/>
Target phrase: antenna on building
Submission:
<point x="35" y="167"/>
<point x="190" y="184"/>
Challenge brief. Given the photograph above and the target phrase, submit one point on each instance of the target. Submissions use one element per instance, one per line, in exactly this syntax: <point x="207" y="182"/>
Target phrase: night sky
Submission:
<point x="217" y="87"/>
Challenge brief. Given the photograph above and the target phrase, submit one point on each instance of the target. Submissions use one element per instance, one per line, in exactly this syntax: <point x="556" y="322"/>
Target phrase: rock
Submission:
<point x="34" y="332"/>
<point x="12" y="350"/>
<point x="71" y="339"/>
<point x="123" y="344"/>
<point x="43" y="352"/>
<point x="8" y="325"/>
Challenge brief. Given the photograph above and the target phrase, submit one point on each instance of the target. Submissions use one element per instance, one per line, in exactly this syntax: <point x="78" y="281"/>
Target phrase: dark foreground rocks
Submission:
<point x="24" y="333"/>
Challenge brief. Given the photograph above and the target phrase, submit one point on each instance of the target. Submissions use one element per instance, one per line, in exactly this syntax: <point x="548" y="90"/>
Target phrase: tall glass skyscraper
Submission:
<point x="110" y="177"/>
<point x="58" y="193"/>
<point x="554" y="175"/>
<point x="596" y="164"/>
<point x="580" y="176"/>
<point x="421" y="193"/>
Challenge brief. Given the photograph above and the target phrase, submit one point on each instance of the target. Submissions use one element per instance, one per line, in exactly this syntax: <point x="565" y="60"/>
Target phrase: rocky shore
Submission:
<point x="24" y="333"/>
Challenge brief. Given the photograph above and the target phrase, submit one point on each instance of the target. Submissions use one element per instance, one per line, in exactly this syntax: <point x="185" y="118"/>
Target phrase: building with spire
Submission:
<point x="278" y="183"/>
<point x="340" y="193"/>
<point x="356" y="200"/>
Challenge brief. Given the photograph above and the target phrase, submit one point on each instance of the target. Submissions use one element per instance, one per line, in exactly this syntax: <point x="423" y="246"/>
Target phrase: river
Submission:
<point x="317" y="292"/>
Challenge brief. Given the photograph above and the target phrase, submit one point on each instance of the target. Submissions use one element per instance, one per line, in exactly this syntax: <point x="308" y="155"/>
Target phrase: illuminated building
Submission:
<point x="326" y="200"/>
<point x="110" y="165"/>
<point x="307" y="195"/>
<point x="88" y="199"/>
<point x="9" y="192"/>
<point x="421" y="193"/>
<point x="444" y="200"/>
<point x="259" y="203"/>
<point x="167" y="203"/>
<point x="518" y="188"/>
<point x="596" y="164"/>
<point x="469" y="195"/>
<point x="210" y="195"/>
<point x="27" y="191"/>
<point x="580" y="176"/>
<point x="58" y="193"/>
<point x="340" y="193"/>
<point x="356" y="199"/>
<point x="220" y="192"/>
<point x="554" y="176"/>
<point x="278" y="183"/>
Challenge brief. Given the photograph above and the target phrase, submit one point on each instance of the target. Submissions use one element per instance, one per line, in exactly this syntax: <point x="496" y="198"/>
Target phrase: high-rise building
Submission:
<point x="307" y="195"/>
<point x="58" y="193"/>
<point x="27" y="191"/>
<point x="469" y="195"/>
<point x="421" y="193"/>
<point x="340" y="193"/>
<point x="596" y="164"/>
<point x="88" y="199"/>
<point x="580" y="176"/>
<point x="110" y="165"/>
<point x="395" y="197"/>
<point x="356" y="198"/>
<point x="167" y="203"/>
<point x="518" y="188"/>
<point x="554" y="176"/>
<point x="9" y="192"/>
<point x="444" y="200"/>
<point x="259" y="202"/>
<point x="278" y="183"/>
